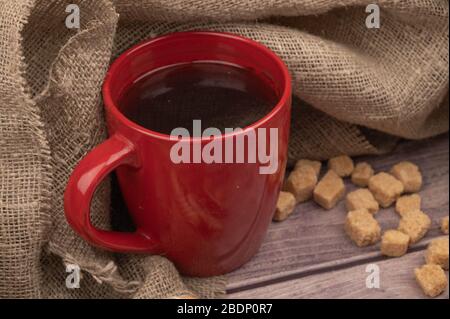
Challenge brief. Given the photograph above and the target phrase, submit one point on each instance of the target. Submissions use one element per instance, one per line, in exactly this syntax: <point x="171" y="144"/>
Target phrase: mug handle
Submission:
<point x="88" y="174"/>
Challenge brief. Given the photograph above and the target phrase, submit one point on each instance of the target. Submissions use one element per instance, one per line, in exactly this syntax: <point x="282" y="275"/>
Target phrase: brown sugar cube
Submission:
<point x="285" y="206"/>
<point x="444" y="225"/>
<point x="437" y="252"/>
<point x="329" y="190"/>
<point x="409" y="174"/>
<point x="408" y="203"/>
<point x="415" y="224"/>
<point x="362" y="228"/>
<point x="301" y="183"/>
<point x="362" y="198"/>
<point x="385" y="188"/>
<point x="361" y="174"/>
<point x="314" y="164"/>
<point x="431" y="279"/>
<point x="341" y="165"/>
<point x="394" y="243"/>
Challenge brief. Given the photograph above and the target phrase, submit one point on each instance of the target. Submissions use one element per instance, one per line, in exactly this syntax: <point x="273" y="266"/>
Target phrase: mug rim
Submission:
<point x="111" y="107"/>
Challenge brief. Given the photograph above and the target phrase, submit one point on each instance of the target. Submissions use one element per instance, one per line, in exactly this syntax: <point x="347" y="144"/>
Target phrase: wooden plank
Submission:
<point x="313" y="239"/>
<point x="396" y="281"/>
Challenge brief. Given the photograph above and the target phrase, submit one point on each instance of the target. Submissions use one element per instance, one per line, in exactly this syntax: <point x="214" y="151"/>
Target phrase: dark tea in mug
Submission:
<point x="220" y="95"/>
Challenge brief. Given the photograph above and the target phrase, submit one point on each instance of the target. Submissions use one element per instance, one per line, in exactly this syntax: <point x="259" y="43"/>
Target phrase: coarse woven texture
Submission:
<point x="352" y="85"/>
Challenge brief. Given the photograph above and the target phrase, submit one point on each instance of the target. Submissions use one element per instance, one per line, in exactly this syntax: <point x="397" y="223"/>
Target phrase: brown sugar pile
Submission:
<point x="399" y="187"/>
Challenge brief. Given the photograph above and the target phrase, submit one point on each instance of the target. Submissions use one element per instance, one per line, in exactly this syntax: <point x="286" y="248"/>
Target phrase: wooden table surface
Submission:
<point x="309" y="256"/>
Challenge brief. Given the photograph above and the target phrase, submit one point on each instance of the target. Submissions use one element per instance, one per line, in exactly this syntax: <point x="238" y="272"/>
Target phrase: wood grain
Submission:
<point x="312" y="240"/>
<point x="396" y="281"/>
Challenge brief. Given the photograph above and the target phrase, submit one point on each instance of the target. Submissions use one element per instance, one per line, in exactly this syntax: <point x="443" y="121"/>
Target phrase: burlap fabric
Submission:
<point x="355" y="84"/>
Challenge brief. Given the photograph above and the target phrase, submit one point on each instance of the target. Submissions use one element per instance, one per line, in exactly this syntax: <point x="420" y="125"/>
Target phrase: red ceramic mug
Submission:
<point x="209" y="219"/>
